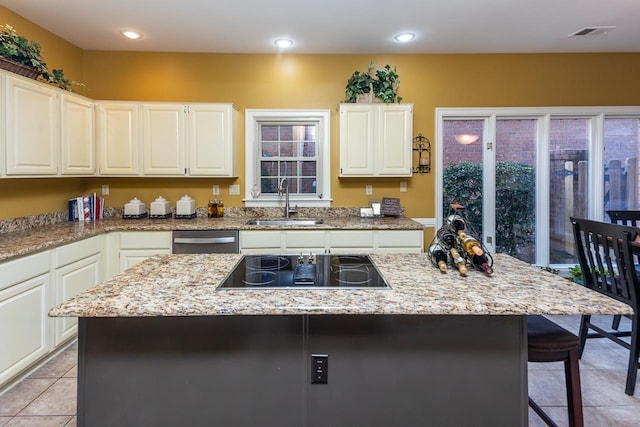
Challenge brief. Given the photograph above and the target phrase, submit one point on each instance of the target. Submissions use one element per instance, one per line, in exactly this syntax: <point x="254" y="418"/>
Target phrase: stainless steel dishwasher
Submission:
<point x="205" y="241"/>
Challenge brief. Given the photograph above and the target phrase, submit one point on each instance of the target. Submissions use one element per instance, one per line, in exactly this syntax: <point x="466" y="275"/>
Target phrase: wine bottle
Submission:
<point x="481" y="262"/>
<point x="446" y="237"/>
<point x="438" y="257"/>
<point x="470" y="244"/>
<point x="458" y="261"/>
<point x="456" y="222"/>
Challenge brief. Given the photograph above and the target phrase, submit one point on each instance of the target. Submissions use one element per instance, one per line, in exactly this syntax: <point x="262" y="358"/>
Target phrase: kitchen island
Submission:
<point x="161" y="345"/>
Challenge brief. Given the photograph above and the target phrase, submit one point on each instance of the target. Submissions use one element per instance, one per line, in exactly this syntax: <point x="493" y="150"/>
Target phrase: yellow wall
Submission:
<point x="317" y="81"/>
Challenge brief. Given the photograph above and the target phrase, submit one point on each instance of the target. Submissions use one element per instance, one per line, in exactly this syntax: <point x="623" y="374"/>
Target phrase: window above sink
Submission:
<point x="287" y="143"/>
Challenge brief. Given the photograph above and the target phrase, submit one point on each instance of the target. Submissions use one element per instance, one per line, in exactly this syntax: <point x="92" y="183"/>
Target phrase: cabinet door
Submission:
<point x="78" y="143"/>
<point x="163" y="139"/>
<point x="32" y="128"/>
<point x="212" y="140"/>
<point x="117" y="130"/>
<point x="136" y="246"/>
<point x="70" y="281"/>
<point x="24" y="325"/>
<point x="357" y="133"/>
<point x="393" y="151"/>
<point x="131" y="257"/>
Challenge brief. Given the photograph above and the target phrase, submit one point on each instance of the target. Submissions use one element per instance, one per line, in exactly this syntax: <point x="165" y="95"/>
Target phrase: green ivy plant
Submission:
<point x="17" y="48"/>
<point x="384" y="82"/>
<point x="358" y="84"/>
<point x="56" y="78"/>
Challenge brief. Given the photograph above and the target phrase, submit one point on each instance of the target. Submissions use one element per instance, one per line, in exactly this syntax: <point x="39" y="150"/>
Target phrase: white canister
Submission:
<point x="186" y="206"/>
<point x="135" y="207"/>
<point x="160" y="206"/>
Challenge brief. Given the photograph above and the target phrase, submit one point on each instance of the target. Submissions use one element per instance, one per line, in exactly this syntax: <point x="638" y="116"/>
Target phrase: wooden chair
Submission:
<point x="607" y="261"/>
<point x="624" y="218"/>
<point x="548" y="342"/>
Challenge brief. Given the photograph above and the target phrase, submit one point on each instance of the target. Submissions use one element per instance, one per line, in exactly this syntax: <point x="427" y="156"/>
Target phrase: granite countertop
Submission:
<point x="24" y="242"/>
<point x="185" y="285"/>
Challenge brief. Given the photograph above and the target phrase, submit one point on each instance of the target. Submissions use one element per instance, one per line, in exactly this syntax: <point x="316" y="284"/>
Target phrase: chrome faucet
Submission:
<point x="283" y="189"/>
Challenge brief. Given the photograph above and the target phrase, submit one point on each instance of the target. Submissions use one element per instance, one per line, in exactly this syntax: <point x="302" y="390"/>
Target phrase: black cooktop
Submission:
<point x="304" y="271"/>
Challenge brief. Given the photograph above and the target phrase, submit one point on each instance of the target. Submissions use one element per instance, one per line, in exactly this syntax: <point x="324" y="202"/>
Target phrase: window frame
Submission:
<point x="253" y="118"/>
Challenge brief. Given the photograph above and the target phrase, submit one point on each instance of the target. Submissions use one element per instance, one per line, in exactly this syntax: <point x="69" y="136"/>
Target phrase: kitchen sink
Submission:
<point x="285" y="222"/>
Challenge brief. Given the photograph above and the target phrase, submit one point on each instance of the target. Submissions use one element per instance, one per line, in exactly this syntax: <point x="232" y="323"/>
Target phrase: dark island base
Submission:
<point x="256" y="371"/>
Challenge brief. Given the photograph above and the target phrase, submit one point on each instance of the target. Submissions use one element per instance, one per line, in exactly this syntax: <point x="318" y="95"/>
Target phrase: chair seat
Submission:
<point x="546" y="336"/>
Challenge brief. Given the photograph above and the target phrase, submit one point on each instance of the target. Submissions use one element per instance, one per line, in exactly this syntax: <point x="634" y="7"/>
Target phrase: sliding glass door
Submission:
<point x="521" y="173"/>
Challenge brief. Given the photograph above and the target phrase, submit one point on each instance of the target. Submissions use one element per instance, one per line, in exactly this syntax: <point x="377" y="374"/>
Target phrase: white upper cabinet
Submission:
<point x="117" y="138"/>
<point x="189" y="140"/>
<point x="212" y="130"/>
<point x="163" y="139"/>
<point x="77" y="132"/>
<point x="32" y="128"/>
<point x="375" y="139"/>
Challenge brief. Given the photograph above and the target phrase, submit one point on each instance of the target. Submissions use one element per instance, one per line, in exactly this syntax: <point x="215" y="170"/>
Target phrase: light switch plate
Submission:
<point x="105" y="189"/>
<point x="403" y="186"/>
<point x="368" y="190"/>
<point x="234" y="189"/>
<point x="216" y="190"/>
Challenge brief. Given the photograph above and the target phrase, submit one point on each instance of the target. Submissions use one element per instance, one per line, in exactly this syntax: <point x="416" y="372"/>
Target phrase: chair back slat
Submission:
<point x="607" y="259"/>
<point x="625" y="217"/>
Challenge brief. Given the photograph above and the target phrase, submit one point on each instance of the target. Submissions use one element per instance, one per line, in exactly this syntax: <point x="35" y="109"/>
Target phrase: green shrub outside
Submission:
<point x="515" y="203"/>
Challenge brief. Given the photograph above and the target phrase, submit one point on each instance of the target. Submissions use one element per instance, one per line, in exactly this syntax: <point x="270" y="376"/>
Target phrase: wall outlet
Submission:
<point x="234" y="190"/>
<point x="105" y="189"/>
<point x="368" y="190"/>
<point x="403" y="186"/>
<point x="319" y="368"/>
<point x="216" y="190"/>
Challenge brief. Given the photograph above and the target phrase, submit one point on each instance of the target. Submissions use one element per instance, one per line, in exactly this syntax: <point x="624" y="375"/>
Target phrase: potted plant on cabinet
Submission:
<point x="381" y="86"/>
<point x="19" y="55"/>
<point x="24" y="57"/>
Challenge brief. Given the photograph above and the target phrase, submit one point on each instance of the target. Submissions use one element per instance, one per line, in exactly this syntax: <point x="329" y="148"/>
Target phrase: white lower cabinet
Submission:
<point x="304" y="242"/>
<point x="399" y="241"/>
<point x="78" y="267"/>
<point x="351" y="242"/>
<point x="260" y="242"/>
<point x="331" y="241"/>
<point x="25" y="295"/>
<point x="136" y="246"/>
<point x="70" y="281"/>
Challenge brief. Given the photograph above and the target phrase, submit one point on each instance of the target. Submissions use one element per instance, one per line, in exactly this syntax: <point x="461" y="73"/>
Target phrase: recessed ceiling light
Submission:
<point x="283" y="43"/>
<point x="131" y="35"/>
<point x="404" y="37"/>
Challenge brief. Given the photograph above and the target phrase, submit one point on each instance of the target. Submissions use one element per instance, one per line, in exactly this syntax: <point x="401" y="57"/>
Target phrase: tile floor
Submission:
<point x="47" y="397"/>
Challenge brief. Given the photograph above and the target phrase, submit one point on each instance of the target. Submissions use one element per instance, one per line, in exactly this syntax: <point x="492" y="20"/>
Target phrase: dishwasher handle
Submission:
<point x="204" y="240"/>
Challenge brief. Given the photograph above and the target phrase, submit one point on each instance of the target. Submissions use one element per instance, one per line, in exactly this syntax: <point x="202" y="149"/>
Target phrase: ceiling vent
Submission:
<point x="592" y="31"/>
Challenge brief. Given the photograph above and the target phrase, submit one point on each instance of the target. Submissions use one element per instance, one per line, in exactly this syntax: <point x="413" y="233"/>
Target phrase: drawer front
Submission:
<point x="77" y="251"/>
<point x="145" y="240"/>
<point x="19" y="270"/>
<point x="260" y="239"/>
<point x="351" y="239"/>
<point x="305" y="239"/>
<point x="400" y="239"/>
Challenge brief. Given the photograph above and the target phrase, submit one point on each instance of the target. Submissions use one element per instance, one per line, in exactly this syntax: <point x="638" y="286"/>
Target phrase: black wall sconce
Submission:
<point x="422" y="148"/>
